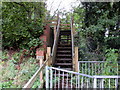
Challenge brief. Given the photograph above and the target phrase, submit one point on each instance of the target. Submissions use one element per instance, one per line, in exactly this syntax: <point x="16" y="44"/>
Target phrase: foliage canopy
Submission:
<point x="98" y="25"/>
<point x="22" y="23"/>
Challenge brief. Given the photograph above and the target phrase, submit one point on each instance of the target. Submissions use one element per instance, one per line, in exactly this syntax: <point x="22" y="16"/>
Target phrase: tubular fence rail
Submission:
<point x="60" y="78"/>
<point x="97" y="67"/>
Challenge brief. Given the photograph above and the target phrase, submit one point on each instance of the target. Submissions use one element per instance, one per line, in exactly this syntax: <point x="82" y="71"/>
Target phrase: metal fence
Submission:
<point x="106" y="81"/>
<point x="97" y="67"/>
<point x="60" y="78"/>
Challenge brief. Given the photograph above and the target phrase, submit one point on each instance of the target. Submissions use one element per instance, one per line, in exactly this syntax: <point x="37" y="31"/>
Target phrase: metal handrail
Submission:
<point x="105" y="76"/>
<point x="94" y="61"/>
<point x="86" y="75"/>
<point x="72" y="37"/>
<point x="56" y="41"/>
<point x="72" y="40"/>
<point x="56" y="77"/>
<point x="90" y="61"/>
<point x="96" y="67"/>
<point x="71" y="72"/>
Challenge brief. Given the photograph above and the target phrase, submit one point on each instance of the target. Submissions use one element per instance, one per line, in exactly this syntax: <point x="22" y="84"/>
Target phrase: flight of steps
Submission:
<point x="64" y="51"/>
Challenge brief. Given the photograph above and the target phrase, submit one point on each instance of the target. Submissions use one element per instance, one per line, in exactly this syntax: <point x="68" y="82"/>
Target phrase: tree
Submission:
<point x="22" y="22"/>
<point x="93" y="20"/>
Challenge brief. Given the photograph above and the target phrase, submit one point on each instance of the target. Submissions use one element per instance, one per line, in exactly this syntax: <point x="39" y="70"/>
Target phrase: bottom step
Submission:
<point x="61" y="64"/>
<point x="69" y="69"/>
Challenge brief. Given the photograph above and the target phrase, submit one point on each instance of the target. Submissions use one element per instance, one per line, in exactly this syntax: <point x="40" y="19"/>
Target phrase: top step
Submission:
<point x="65" y="32"/>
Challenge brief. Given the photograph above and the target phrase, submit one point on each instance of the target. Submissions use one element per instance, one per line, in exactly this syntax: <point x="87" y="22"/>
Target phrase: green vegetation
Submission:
<point x="22" y="23"/>
<point x="111" y="67"/>
<point x="98" y="38"/>
<point x="15" y="76"/>
<point x="93" y="20"/>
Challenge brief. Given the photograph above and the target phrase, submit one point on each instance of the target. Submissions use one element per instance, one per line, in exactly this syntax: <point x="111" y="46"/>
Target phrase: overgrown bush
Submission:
<point x="22" y="22"/>
<point x="111" y="64"/>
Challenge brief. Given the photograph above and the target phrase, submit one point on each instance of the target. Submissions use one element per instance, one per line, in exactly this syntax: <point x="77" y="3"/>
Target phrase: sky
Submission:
<point x="52" y="5"/>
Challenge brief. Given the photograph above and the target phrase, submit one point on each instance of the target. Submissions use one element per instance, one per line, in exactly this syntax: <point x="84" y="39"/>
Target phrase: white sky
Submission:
<point x="66" y="4"/>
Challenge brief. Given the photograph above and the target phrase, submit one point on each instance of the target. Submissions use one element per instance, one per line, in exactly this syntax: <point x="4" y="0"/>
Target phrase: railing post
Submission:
<point x="95" y="83"/>
<point x="41" y="62"/>
<point x="48" y="56"/>
<point x="102" y="83"/>
<point x="41" y="73"/>
<point x="76" y="59"/>
<point x="51" y="78"/>
<point x="47" y="77"/>
<point x="78" y="67"/>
